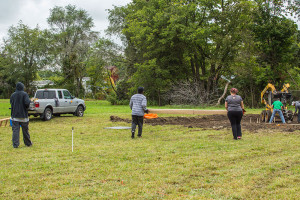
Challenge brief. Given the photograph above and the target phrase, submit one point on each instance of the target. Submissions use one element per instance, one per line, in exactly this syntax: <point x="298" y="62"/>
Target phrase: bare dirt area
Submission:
<point x="250" y="122"/>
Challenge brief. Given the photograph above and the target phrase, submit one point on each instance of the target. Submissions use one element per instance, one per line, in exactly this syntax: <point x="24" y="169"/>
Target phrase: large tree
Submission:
<point x="268" y="53"/>
<point x="196" y="42"/>
<point x="171" y="41"/>
<point x="27" y="50"/>
<point x="73" y="38"/>
<point x="103" y="54"/>
<point x="274" y="37"/>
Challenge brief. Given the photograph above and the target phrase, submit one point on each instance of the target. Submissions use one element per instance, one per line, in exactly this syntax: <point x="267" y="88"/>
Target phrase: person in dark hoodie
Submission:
<point x="19" y="102"/>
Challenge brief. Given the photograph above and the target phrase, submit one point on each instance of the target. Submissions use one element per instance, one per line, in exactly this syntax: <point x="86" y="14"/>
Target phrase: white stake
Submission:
<point x="72" y="138"/>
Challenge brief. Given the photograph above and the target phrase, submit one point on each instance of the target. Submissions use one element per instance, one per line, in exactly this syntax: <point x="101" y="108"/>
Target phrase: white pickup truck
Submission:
<point x="48" y="102"/>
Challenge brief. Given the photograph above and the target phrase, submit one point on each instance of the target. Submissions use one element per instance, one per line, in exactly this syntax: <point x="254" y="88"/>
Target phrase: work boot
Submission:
<point x="132" y="134"/>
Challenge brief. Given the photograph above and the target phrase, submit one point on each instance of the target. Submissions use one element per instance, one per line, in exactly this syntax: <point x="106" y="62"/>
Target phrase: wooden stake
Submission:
<point x="72" y="138"/>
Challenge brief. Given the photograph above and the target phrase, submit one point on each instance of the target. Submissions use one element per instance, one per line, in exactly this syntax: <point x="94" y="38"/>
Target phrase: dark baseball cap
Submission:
<point x="140" y="90"/>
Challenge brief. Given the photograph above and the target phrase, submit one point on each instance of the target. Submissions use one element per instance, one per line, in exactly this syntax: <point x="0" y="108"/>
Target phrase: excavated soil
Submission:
<point x="249" y="122"/>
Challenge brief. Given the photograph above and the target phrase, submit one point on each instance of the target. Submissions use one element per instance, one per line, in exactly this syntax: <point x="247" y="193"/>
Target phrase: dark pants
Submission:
<point x="137" y="121"/>
<point x="16" y="133"/>
<point x="298" y="116"/>
<point x="235" y="118"/>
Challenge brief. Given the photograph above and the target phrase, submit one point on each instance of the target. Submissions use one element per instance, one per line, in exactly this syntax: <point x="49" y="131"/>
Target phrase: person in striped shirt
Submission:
<point x="138" y="105"/>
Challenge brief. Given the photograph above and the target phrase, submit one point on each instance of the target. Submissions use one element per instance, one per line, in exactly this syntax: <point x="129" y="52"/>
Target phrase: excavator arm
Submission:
<point x="269" y="86"/>
<point x="283" y="94"/>
<point x="285" y="87"/>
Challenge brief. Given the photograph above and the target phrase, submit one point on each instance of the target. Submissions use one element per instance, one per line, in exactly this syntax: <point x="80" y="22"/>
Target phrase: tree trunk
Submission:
<point x="159" y="100"/>
<point x="197" y="72"/>
<point x="224" y="93"/>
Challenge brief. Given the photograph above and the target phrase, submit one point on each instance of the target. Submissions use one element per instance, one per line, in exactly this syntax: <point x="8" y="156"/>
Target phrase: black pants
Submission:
<point x="16" y="133"/>
<point x="137" y="121"/>
<point x="235" y="118"/>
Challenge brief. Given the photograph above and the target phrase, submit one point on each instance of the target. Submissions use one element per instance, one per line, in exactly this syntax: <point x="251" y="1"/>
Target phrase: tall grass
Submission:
<point x="169" y="162"/>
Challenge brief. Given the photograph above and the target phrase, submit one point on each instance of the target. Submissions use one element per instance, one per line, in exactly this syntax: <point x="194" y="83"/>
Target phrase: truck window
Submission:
<point x="43" y="94"/>
<point x="67" y="94"/>
<point x="59" y="94"/>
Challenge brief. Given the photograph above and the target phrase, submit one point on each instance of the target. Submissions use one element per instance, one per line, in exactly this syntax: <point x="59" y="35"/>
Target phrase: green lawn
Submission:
<point x="169" y="162"/>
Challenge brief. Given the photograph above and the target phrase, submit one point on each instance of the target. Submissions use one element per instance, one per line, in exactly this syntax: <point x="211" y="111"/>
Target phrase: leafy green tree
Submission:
<point x="275" y="38"/>
<point x="72" y="32"/>
<point x="268" y="52"/>
<point x="26" y="50"/>
<point x="7" y="77"/>
<point x="102" y="54"/>
<point x="180" y="40"/>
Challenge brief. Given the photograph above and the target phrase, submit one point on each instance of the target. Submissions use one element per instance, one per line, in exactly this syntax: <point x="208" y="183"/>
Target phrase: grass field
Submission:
<point x="169" y="162"/>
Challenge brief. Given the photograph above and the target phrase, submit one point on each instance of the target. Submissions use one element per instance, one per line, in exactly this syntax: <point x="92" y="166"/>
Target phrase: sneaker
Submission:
<point x="139" y="136"/>
<point x="239" y="137"/>
<point x="132" y="135"/>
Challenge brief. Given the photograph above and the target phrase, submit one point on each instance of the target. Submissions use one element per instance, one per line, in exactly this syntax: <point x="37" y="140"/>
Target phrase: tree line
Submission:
<point x="186" y="51"/>
<point x="181" y="51"/>
<point x="65" y="53"/>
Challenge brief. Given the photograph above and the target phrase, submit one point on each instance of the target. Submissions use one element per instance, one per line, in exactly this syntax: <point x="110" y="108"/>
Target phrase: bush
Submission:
<point x="100" y="96"/>
<point x="112" y="98"/>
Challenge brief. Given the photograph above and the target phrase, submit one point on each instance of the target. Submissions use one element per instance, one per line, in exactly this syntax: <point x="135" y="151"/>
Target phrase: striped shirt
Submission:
<point x="138" y="104"/>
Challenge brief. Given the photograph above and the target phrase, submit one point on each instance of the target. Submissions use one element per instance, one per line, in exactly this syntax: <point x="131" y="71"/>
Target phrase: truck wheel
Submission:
<point x="47" y="114"/>
<point x="79" y="111"/>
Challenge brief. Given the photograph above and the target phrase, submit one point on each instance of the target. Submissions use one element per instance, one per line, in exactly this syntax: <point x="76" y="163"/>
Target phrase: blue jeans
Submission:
<point x="280" y="114"/>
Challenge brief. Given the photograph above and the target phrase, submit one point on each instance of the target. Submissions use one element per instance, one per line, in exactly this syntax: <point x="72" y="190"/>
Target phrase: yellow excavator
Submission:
<point x="269" y="95"/>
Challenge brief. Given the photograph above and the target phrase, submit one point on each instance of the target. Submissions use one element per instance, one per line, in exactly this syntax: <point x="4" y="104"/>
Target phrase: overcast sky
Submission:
<point x="33" y="12"/>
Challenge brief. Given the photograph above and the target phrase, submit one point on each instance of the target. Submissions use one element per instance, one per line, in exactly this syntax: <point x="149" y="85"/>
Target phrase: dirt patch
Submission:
<point x="250" y="122"/>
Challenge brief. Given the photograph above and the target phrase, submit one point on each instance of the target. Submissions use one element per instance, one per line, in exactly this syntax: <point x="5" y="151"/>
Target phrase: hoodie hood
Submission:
<point x="20" y="86"/>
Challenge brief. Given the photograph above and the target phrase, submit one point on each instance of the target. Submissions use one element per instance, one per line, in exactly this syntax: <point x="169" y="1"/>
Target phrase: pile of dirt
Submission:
<point x="249" y="122"/>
